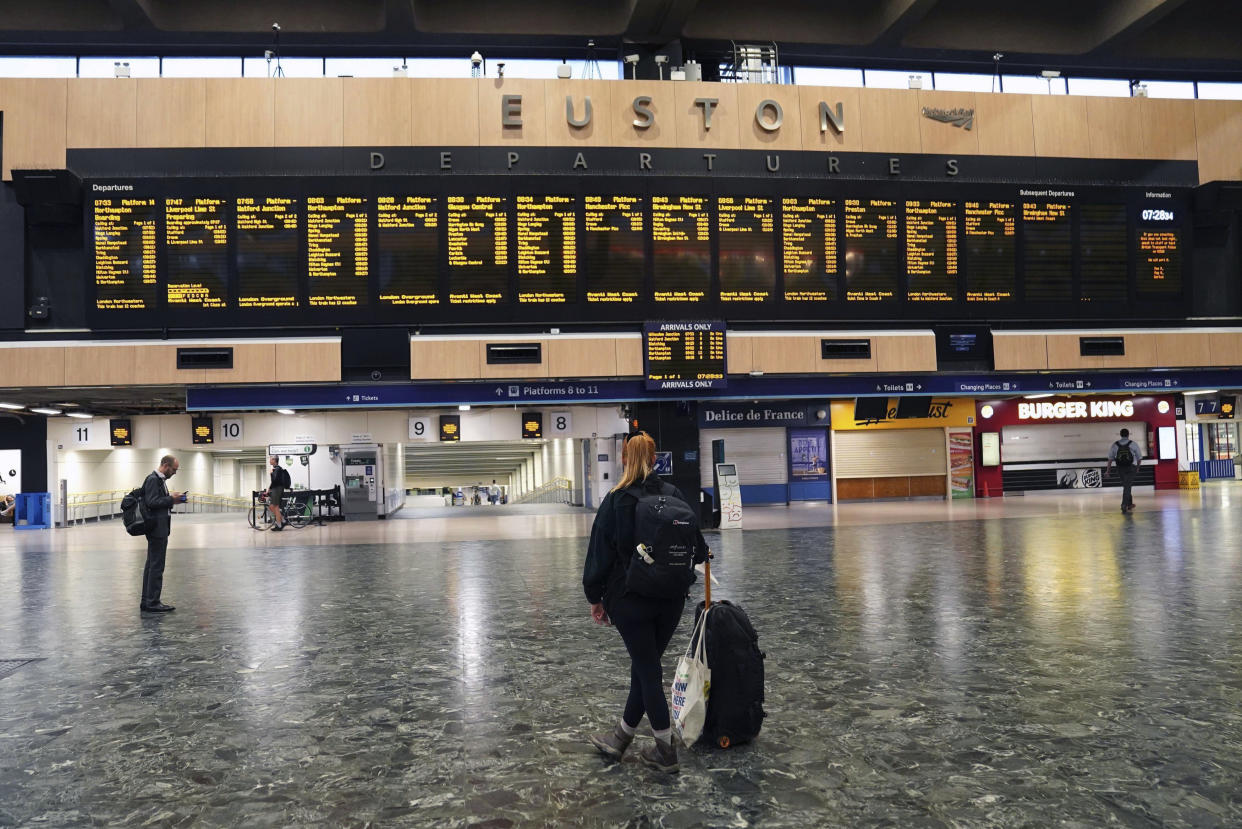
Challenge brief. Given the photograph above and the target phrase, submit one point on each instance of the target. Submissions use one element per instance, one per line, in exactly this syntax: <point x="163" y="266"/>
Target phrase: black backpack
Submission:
<point x="134" y="513"/>
<point x="667" y="532"/>
<point x="735" y="706"/>
<point x="1125" y="457"/>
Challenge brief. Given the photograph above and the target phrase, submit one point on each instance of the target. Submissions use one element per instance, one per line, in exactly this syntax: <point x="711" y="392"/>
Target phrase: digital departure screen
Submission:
<point x="809" y="256"/>
<point x="991" y="264"/>
<point x="267" y="251"/>
<point x="746" y="230"/>
<point x="338" y="258"/>
<point x="547" y="249"/>
<point x="872" y="258"/>
<point x="421" y="250"/>
<point x="196" y="235"/>
<point x="681" y="248"/>
<point x="684" y="355"/>
<point x="1048" y="257"/>
<point x="407" y="249"/>
<point x="1102" y="243"/>
<point x="614" y="233"/>
<point x="931" y="251"/>
<point x="125" y="260"/>
<point x="478" y="250"/>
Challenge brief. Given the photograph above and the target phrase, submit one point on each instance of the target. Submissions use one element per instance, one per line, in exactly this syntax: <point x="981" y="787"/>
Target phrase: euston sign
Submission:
<point x="1075" y="409"/>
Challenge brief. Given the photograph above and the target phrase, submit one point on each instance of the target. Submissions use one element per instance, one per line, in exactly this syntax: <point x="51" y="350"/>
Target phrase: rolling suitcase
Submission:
<point x="735" y="704"/>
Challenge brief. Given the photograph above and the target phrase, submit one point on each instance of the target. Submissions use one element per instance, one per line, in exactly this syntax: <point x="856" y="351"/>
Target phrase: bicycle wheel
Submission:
<point x="298" y="514"/>
<point x="264" y="518"/>
<point x="250" y="519"/>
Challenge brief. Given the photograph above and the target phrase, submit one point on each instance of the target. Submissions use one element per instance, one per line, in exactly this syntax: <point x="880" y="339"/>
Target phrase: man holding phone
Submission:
<point x="159" y="502"/>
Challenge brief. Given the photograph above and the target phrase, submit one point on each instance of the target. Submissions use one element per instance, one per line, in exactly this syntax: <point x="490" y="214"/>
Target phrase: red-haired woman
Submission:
<point x="646" y="624"/>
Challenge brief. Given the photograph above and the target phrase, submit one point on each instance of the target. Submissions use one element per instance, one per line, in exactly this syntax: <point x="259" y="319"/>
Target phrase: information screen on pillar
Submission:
<point x="120" y="432"/>
<point x="681" y="233"/>
<point x="532" y="425"/>
<point x="199" y="254"/>
<point x="202" y="430"/>
<point x="478" y="250"/>
<point x="684" y="355"/>
<point x="872" y="250"/>
<point x="746" y="233"/>
<point x="614" y="248"/>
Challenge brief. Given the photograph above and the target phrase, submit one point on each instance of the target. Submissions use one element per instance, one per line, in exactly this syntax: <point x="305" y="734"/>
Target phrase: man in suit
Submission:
<point x="159" y="502"/>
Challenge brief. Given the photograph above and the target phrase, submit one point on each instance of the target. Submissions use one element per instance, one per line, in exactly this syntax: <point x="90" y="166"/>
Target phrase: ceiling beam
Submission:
<point x="896" y="18"/>
<point x="656" y="22"/>
<point x="1124" y="20"/>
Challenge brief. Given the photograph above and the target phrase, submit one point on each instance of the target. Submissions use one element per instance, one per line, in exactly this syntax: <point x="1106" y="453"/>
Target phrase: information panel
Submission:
<point x="196" y="236"/>
<point x="931" y="251"/>
<point x="746" y="230"/>
<point x="407" y="249"/>
<point x="338" y="254"/>
<point x="809" y="242"/>
<point x="1159" y="256"/>
<point x="614" y="242"/>
<point x="547" y="249"/>
<point x="1102" y="236"/>
<point x="872" y="258"/>
<point x="478" y="250"/>
<point x="1047" y="260"/>
<point x="124" y="248"/>
<point x="267" y="252"/>
<point x="681" y="248"/>
<point x="991" y="253"/>
<point x="684" y="355"/>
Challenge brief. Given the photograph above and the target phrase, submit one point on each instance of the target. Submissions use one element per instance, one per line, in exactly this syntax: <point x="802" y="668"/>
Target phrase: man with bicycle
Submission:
<point x="276" y="491"/>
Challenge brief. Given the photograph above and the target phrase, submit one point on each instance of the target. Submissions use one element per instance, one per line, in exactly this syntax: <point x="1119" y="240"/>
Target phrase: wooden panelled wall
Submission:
<point x="1208" y="347"/>
<point x="44" y="117"/>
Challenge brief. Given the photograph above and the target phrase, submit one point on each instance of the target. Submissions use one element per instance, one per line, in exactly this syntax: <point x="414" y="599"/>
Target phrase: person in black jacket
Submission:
<point x="646" y="624"/>
<point x="159" y="502"/>
<point x="276" y="491"/>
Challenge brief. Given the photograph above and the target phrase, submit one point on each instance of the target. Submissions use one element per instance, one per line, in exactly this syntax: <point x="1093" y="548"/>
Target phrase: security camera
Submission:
<point x="275" y="27"/>
<point x="500" y="69"/>
<point x="476" y="59"/>
<point x="631" y="58"/>
<point x="998" y="56"/>
<point x="661" y="58"/>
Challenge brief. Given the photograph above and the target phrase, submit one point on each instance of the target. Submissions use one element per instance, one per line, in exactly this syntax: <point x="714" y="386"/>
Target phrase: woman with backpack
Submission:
<point x="642" y="592"/>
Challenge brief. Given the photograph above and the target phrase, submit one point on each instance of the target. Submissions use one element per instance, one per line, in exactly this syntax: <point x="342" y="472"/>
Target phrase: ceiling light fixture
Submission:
<point x="463" y="408"/>
<point x="286" y="411"/>
<point x="12" y="406"/>
<point x="43" y="411"/>
<point x="1205" y="391"/>
<point x="1036" y="396"/>
<point x="81" y="415"/>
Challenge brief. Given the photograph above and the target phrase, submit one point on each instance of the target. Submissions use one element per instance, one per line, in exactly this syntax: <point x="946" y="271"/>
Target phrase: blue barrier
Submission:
<point x="1215" y="469"/>
<point x="32" y="511"/>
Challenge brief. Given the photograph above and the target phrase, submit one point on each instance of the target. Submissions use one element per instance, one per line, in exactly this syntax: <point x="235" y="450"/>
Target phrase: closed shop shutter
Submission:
<point x="889" y="452"/>
<point x="758" y="453"/>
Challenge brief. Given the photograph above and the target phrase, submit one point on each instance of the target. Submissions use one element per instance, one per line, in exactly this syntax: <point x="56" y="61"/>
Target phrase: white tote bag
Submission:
<point x="691" y="686"/>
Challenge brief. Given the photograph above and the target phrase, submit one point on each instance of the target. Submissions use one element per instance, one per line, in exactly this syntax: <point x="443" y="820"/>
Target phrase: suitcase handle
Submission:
<point x="707" y="582"/>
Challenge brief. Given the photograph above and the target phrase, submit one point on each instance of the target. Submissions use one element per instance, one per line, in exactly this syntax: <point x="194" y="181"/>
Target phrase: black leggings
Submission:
<point x="646" y="626"/>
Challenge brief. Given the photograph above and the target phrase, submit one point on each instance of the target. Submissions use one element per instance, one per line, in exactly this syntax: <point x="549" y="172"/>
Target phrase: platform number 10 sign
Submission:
<point x="561" y="423"/>
<point x="231" y="430"/>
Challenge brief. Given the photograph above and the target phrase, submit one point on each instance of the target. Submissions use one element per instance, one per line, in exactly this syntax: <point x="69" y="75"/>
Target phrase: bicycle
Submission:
<point x="295" y="509"/>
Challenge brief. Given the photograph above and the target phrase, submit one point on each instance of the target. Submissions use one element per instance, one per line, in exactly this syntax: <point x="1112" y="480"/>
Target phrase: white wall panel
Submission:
<point x="889" y="452"/>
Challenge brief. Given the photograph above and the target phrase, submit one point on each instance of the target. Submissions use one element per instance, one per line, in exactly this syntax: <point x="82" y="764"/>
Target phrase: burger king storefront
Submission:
<point x="1061" y="443"/>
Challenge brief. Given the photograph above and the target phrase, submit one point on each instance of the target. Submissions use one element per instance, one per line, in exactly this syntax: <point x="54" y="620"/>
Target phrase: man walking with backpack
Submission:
<point x="159" y="503"/>
<point x="1126" y="454"/>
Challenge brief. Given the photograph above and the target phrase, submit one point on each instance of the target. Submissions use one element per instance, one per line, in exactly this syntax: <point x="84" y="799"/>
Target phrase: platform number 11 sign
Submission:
<point x="82" y="434"/>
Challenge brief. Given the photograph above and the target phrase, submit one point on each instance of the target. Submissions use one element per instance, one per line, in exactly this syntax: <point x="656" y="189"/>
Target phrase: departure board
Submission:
<point x="1159" y="259"/>
<point x="125" y="258"/>
<point x="1102" y="245"/>
<point x="684" y="355"/>
<point x="681" y="248"/>
<point x="809" y="249"/>
<point x="1048" y="255"/>
<point x="991" y="252"/>
<point x="931" y="251"/>
<point x="872" y="255"/>
<point x="196" y="235"/>
<point x="478" y="250"/>
<point x="267" y="252"/>
<point x="338" y="253"/>
<point x="614" y="248"/>
<point x="746" y="233"/>
<point x="407" y="249"/>
<point x="547" y="249"/>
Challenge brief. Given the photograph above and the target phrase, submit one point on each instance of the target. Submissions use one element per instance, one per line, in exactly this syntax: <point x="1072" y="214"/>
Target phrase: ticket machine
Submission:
<point x="362" y="482"/>
<point x="729" y="491"/>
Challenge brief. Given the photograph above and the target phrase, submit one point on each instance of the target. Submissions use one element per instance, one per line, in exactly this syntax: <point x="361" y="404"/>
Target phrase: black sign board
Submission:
<point x="120" y="432"/>
<point x="532" y="425"/>
<point x="684" y="355"/>
<point x="202" y="430"/>
<point x="450" y="428"/>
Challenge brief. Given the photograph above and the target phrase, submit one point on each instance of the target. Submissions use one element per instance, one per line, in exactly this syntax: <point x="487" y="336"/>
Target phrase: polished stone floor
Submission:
<point x="1022" y="662"/>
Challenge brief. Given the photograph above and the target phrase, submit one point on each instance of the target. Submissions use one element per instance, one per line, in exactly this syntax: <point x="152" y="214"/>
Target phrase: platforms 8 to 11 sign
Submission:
<point x="684" y="355"/>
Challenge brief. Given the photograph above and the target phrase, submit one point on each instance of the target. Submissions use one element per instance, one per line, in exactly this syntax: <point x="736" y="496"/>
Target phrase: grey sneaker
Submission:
<point x="661" y="756"/>
<point x="614" y="744"/>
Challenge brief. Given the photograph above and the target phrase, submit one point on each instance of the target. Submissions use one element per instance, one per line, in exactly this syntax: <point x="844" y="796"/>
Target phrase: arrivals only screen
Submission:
<point x="684" y="355"/>
<point x="424" y="250"/>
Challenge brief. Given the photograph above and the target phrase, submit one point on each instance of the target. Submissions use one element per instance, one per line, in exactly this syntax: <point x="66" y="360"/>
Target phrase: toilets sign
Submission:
<point x="1076" y="410"/>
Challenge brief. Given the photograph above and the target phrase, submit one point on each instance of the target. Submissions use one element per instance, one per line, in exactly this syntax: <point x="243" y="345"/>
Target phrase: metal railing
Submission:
<point x="106" y="503"/>
<point x="555" y="491"/>
<point x="1209" y="470"/>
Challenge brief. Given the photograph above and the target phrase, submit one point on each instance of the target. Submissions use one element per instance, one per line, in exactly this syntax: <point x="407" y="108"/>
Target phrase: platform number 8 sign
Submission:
<point x="562" y="423"/>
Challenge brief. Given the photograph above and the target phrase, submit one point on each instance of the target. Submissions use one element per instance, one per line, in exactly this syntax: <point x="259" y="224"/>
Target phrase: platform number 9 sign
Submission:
<point x="562" y="423"/>
<point x="421" y="430"/>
